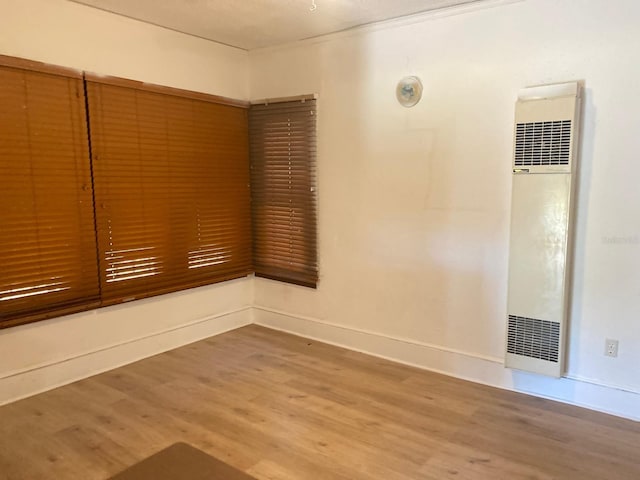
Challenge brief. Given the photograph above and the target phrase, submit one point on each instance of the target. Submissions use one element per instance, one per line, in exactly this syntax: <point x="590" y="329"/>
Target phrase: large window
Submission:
<point x="113" y="190"/>
<point x="171" y="172"/>
<point x="283" y="190"/>
<point x="47" y="240"/>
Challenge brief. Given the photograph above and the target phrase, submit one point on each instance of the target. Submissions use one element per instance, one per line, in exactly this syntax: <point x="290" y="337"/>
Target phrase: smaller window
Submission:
<point x="283" y="190"/>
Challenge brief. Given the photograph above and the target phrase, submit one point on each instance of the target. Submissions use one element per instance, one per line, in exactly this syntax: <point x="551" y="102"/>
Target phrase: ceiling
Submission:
<point x="250" y="24"/>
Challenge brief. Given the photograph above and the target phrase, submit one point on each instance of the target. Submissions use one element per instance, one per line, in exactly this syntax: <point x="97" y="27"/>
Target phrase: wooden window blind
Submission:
<point x="48" y="263"/>
<point x="283" y="190"/>
<point x="171" y="179"/>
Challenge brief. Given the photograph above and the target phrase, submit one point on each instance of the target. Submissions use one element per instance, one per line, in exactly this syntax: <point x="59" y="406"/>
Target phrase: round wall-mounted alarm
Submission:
<point x="409" y="91"/>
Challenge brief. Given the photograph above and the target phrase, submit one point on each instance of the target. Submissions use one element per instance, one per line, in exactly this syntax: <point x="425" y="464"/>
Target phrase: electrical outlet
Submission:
<point x="611" y="348"/>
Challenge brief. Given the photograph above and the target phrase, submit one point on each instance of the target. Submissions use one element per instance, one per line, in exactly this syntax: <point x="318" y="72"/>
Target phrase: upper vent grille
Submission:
<point x="543" y="143"/>
<point x="533" y="338"/>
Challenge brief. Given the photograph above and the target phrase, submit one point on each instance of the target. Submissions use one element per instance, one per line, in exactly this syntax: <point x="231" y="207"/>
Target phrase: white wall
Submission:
<point x="414" y="203"/>
<point x="38" y="356"/>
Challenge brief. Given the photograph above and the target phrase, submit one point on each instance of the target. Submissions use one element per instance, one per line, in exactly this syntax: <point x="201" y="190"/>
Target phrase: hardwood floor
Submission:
<point x="283" y="407"/>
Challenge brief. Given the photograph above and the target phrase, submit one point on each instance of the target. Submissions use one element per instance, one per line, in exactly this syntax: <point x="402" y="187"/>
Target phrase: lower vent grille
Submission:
<point x="530" y="337"/>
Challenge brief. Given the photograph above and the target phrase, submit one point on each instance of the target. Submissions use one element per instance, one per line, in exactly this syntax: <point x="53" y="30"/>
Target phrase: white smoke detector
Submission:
<point x="409" y="91"/>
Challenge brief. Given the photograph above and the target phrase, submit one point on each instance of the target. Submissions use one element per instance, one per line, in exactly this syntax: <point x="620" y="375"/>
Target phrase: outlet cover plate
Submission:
<point x="611" y="347"/>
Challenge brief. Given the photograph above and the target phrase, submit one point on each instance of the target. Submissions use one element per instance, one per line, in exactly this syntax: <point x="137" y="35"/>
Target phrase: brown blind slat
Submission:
<point x="171" y="180"/>
<point x="48" y="262"/>
<point x="283" y="191"/>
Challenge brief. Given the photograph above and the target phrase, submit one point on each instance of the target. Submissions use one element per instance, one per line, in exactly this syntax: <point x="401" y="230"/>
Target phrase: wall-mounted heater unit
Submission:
<point x="544" y="177"/>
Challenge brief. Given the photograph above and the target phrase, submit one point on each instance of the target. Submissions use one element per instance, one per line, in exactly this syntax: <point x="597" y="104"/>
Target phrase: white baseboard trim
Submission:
<point x="25" y="383"/>
<point x="467" y="366"/>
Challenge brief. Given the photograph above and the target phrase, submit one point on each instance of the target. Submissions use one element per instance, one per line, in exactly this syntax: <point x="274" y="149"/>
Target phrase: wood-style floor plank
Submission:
<point x="282" y="407"/>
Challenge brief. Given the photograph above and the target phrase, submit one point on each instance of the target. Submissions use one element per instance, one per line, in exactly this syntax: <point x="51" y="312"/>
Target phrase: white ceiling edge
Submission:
<point x="397" y="22"/>
<point x="157" y="25"/>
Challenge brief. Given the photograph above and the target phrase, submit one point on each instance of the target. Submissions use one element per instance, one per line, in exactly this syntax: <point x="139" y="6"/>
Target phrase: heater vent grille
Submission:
<point x="543" y="143"/>
<point x="530" y="337"/>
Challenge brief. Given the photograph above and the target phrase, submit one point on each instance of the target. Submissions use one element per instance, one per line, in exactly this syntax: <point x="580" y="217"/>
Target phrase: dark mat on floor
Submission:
<point x="181" y="462"/>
